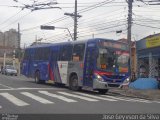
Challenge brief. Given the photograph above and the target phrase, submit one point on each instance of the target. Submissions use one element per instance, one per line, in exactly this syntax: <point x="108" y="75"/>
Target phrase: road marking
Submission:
<point x="151" y="101"/>
<point x="6" y="86"/>
<point x="13" y="99"/>
<point x="137" y="100"/>
<point x="96" y="97"/>
<point x="37" y="98"/>
<point x="18" y="78"/>
<point x="77" y="96"/>
<point x="126" y="99"/>
<point x="57" y="96"/>
<point x="0" y="107"/>
<point x="36" y="88"/>
<point x="156" y="101"/>
<point x="14" y="89"/>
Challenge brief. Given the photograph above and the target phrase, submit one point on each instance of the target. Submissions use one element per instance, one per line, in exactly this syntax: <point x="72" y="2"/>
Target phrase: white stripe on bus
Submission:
<point x="77" y="96"/>
<point x="96" y="97"/>
<point x="13" y="99"/>
<point x="37" y="98"/>
<point x="57" y="96"/>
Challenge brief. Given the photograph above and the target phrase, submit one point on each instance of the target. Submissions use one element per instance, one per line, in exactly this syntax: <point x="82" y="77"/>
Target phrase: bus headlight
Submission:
<point x="126" y="80"/>
<point x="99" y="77"/>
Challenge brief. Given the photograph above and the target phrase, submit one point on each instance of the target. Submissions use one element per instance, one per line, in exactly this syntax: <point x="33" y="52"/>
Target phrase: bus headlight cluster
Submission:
<point x="99" y="77"/>
<point x="126" y="80"/>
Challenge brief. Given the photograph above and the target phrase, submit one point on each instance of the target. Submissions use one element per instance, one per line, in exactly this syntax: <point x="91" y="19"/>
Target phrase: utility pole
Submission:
<point x="93" y="35"/>
<point x="75" y="16"/>
<point x="129" y="35"/>
<point x="14" y="58"/>
<point x="19" y="49"/>
<point x="19" y="36"/>
<point x="4" y="57"/>
<point x="75" y="21"/>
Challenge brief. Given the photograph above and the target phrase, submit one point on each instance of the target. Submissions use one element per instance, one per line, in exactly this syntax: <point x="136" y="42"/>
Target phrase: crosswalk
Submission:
<point x="37" y="98"/>
<point x="69" y="97"/>
<point x="13" y="99"/>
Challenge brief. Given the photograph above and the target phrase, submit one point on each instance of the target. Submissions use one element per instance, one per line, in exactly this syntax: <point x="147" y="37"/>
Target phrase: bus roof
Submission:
<point x="73" y="42"/>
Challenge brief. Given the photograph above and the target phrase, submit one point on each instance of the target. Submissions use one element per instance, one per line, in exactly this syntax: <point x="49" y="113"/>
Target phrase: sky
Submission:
<point x="100" y="19"/>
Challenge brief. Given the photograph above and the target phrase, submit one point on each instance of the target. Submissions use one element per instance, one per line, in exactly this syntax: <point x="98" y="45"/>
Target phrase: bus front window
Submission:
<point x="106" y="59"/>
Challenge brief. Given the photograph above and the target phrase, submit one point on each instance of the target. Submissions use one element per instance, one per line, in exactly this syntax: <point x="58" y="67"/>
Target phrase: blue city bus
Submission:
<point x="95" y="64"/>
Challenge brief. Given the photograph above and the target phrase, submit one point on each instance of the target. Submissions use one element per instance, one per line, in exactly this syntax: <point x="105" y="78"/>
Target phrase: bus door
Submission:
<point x="54" y="71"/>
<point x="89" y="64"/>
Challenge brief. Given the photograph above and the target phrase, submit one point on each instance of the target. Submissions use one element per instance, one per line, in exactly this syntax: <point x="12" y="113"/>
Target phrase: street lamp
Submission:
<point x="53" y="27"/>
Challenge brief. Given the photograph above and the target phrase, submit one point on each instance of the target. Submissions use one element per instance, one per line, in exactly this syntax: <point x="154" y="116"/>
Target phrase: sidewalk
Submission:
<point x="145" y="94"/>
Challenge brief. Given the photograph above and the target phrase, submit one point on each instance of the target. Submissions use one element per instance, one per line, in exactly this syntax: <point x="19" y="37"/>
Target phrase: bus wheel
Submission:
<point x="103" y="91"/>
<point x="73" y="85"/>
<point x="37" y="77"/>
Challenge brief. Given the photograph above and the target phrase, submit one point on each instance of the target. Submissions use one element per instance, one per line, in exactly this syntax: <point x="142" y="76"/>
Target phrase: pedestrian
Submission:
<point x="142" y="71"/>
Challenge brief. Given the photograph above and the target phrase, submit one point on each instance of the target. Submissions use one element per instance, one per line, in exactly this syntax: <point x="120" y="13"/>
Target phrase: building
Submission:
<point x="8" y="43"/>
<point x="11" y="38"/>
<point x="148" y="56"/>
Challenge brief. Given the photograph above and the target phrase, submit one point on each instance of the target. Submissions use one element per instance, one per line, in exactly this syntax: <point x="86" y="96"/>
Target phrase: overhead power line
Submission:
<point x="65" y="17"/>
<point x="37" y="5"/>
<point x="96" y="6"/>
<point x="10" y="17"/>
<point x="15" y="21"/>
<point x="146" y="26"/>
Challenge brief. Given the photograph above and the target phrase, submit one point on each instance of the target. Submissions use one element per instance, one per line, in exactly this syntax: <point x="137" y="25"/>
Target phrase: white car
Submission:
<point x="9" y="70"/>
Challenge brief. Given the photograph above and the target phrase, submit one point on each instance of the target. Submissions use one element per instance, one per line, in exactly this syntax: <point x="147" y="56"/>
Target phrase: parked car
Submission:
<point x="9" y="70"/>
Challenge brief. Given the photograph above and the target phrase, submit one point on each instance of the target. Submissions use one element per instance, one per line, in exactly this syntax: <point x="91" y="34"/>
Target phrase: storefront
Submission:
<point x="148" y="56"/>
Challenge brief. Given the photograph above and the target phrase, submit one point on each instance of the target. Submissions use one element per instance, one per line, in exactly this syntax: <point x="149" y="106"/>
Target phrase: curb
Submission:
<point x="135" y="94"/>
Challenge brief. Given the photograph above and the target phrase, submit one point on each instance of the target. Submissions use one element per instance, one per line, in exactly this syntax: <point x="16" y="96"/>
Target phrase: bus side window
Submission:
<point x="78" y="52"/>
<point x="66" y="53"/>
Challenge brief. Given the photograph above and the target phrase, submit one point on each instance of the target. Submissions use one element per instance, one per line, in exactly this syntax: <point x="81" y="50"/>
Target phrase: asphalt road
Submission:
<point x="20" y="95"/>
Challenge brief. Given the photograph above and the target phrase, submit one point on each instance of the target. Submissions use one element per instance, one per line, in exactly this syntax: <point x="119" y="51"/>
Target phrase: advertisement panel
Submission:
<point x="153" y="41"/>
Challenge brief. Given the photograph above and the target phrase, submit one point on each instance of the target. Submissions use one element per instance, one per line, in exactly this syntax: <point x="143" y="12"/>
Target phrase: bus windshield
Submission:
<point x="111" y="60"/>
